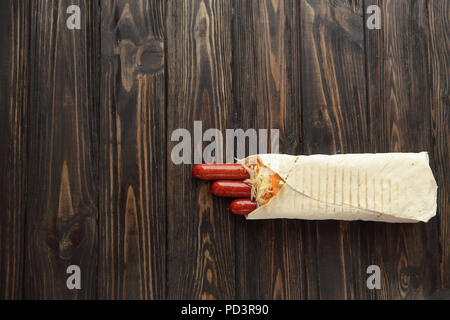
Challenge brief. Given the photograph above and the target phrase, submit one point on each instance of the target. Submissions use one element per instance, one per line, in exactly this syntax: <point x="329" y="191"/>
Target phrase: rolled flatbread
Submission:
<point x="390" y="187"/>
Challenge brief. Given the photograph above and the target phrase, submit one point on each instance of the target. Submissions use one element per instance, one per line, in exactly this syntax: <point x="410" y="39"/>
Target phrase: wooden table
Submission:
<point x="87" y="115"/>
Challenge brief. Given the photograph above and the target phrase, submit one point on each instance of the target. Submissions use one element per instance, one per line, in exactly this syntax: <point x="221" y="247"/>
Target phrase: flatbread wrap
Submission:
<point x="389" y="187"/>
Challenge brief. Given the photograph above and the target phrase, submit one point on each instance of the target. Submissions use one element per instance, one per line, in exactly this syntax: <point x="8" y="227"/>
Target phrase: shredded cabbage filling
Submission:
<point x="265" y="183"/>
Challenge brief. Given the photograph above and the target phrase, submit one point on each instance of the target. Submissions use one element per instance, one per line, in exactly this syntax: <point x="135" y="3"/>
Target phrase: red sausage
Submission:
<point x="242" y="206"/>
<point x="213" y="171"/>
<point x="232" y="189"/>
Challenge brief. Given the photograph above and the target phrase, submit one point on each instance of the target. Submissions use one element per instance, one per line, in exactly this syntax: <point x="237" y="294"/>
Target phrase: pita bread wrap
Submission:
<point x="390" y="187"/>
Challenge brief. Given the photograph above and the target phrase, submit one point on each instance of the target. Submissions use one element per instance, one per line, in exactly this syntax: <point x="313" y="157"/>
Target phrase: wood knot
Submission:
<point x="144" y="58"/>
<point x="202" y="22"/>
<point x="66" y="230"/>
<point x="409" y="278"/>
<point x="319" y="115"/>
<point x="70" y="238"/>
<point x="150" y="57"/>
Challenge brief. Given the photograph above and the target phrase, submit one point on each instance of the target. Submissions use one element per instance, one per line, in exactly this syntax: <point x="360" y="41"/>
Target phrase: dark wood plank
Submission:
<point x="439" y="59"/>
<point x="14" y="102"/>
<point x="200" y="252"/>
<point x="334" y="121"/>
<point x="133" y="143"/>
<point x="61" y="226"/>
<point x="270" y="260"/>
<point x="398" y="83"/>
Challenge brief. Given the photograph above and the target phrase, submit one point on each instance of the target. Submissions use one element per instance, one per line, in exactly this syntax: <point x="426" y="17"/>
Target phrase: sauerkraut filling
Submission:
<point x="265" y="183"/>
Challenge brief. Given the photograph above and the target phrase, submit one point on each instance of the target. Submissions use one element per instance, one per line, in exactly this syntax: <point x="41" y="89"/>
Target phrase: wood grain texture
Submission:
<point x="132" y="147"/>
<point x="200" y="252"/>
<point x="14" y="102"/>
<point x="398" y="83"/>
<point x="439" y="67"/>
<point x="270" y="260"/>
<point x="335" y="121"/>
<point x="61" y="225"/>
<point x="86" y="118"/>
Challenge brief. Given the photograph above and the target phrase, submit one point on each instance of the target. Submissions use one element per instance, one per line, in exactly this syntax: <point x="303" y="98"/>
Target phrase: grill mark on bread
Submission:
<point x="390" y="196"/>
<point x="311" y="186"/>
<point x="350" y="193"/>
<point x="303" y="187"/>
<point x="296" y="178"/>
<point x="334" y="190"/>
<point x="359" y="182"/>
<point x="318" y="188"/>
<point x="374" y="194"/>
<point x="343" y="193"/>
<point x="367" y="189"/>
<point x="326" y="190"/>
